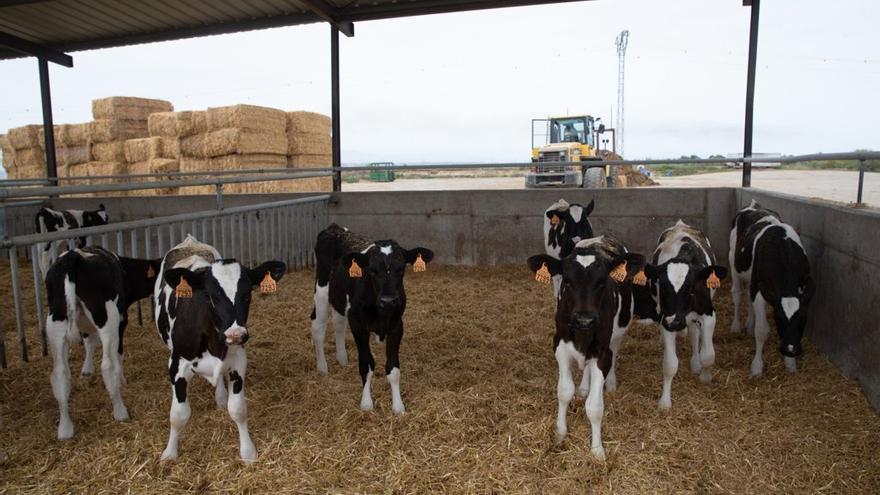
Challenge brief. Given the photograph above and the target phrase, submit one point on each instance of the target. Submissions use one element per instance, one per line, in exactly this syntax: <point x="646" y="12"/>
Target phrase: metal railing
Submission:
<point x="281" y="230"/>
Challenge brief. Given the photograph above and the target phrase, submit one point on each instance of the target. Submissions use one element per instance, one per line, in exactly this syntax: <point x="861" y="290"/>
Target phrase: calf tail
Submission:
<point x="61" y="291"/>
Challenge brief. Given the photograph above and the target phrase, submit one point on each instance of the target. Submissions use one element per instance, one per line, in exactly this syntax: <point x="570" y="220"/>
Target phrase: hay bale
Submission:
<point x="232" y="162"/>
<point x="247" y="117"/>
<point x="128" y="108"/>
<point x="78" y="170"/>
<point x="102" y="131"/>
<point x="313" y="184"/>
<point x="233" y="141"/>
<point x="30" y="157"/>
<point x="154" y="166"/>
<point x="7" y="152"/>
<point x="71" y="155"/>
<point x="113" y="151"/>
<point x="29" y="172"/>
<point x="143" y="149"/>
<point x="309" y="143"/>
<point x="178" y="124"/>
<point x="29" y="136"/>
<point x="309" y="161"/>
<point x="72" y="135"/>
<point x="308" y="122"/>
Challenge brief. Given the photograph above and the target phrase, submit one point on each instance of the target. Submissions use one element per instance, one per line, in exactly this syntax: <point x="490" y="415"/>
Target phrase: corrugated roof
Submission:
<point x="70" y="25"/>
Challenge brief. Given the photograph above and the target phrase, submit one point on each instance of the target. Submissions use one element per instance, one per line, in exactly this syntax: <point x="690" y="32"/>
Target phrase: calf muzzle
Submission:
<point x="791" y="350"/>
<point x="236" y="336"/>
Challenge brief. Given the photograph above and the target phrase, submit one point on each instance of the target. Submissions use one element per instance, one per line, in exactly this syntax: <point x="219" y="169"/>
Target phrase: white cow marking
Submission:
<point x="576" y="213"/>
<point x="386" y="250"/>
<point x="677" y="273"/>
<point x="790" y="306"/>
<point x="586" y="261"/>
<point x="227" y="276"/>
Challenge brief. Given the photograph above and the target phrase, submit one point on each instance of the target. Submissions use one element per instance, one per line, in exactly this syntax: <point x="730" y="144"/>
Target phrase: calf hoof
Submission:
<point x="86" y="374"/>
<point x="665" y="404"/>
<point x="398" y="409"/>
<point x="584" y="391"/>
<point x="696" y="368"/>
<point x="790" y="364"/>
<point x="367" y="405"/>
<point x="757" y="370"/>
<point x="342" y="359"/>
<point x="560" y="436"/>
<point x="598" y="453"/>
<point x="120" y="413"/>
<point x="248" y="454"/>
<point x="610" y="384"/>
<point x="169" y="455"/>
<point x="706" y="376"/>
<point x="322" y="369"/>
<point x="735" y="327"/>
<point x="65" y="430"/>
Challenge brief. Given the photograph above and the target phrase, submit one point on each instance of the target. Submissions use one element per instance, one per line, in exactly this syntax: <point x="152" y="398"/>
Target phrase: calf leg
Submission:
<point x="707" y="347"/>
<point x="111" y="368"/>
<point x="90" y="343"/>
<point x="736" y="295"/>
<point x="616" y="339"/>
<point x="180" y="373"/>
<point x="595" y="408"/>
<point x="557" y="285"/>
<point x="45" y="258"/>
<point x="319" y="324"/>
<point x="56" y="332"/>
<point x="564" y="390"/>
<point x="366" y="365"/>
<point x="236" y="360"/>
<point x="670" y="367"/>
<point x="392" y="368"/>
<point x="221" y="395"/>
<point x="750" y="321"/>
<point x="694" y="332"/>
<point x="762" y="328"/>
<point x="339" y="331"/>
<point x="584" y="386"/>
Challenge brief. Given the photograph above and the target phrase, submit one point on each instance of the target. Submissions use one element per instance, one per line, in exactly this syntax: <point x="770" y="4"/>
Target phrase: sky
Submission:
<point x="464" y="87"/>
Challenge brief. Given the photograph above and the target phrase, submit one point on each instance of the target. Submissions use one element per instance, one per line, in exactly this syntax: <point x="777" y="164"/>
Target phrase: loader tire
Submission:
<point x="594" y="178"/>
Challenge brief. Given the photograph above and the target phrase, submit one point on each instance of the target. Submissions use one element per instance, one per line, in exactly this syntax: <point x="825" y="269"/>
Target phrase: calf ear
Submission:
<point x="418" y="258"/>
<point x="630" y="266"/>
<point x="712" y="275"/>
<point x="544" y="266"/>
<point x="653" y="271"/>
<point x="153" y="267"/>
<point x="589" y="208"/>
<point x="266" y="276"/>
<point x="101" y="207"/>
<point x="353" y="263"/>
<point x="183" y="281"/>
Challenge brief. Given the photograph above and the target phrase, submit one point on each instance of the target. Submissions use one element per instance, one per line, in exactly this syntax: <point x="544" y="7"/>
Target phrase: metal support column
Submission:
<point x="334" y="83"/>
<point x="48" y="127"/>
<point x="750" y="90"/>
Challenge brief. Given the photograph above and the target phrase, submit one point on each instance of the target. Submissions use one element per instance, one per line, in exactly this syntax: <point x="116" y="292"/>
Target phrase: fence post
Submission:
<point x="16" y="297"/>
<point x="861" y="181"/>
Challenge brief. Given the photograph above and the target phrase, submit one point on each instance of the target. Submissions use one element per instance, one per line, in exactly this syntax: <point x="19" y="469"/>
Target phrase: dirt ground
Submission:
<point x="834" y="185"/>
<point x="479" y="382"/>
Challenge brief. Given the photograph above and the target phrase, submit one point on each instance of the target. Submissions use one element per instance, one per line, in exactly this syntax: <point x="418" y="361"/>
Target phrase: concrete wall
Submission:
<point x="502" y="227"/>
<point x="842" y="244"/>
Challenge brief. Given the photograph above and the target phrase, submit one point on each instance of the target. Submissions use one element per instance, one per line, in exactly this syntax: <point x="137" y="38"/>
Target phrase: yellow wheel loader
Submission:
<point x="558" y="140"/>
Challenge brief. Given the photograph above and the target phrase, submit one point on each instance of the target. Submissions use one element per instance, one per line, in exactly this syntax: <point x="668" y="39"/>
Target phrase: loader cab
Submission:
<point x="571" y="130"/>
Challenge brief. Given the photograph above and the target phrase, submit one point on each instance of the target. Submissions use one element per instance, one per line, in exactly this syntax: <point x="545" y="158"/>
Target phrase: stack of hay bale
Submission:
<point x="118" y="119"/>
<point x="239" y="137"/>
<point x="23" y="153"/>
<point x="309" y="146"/>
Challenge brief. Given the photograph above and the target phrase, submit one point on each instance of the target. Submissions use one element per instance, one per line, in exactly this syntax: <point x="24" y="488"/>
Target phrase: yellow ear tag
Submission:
<point x="355" y="271"/>
<point x="713" y="282"/>
<point x="619" y="273"/>
<point x="183" y="290"/>
<point x="543" y="274"/>
<point x="419" y="264"/>
<point x="554" y="220"/>
<point x="268" y="285"/>
<point x="640" y="278"/>
<point x="150" y="272"/>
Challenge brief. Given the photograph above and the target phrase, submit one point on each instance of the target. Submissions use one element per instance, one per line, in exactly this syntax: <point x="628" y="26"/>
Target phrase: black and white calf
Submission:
<point x="89" y="291"/>
<point x="683" y="278"/>
<point x="364" y="281"/>
<point x="49" y="220"/>
<point x="564" y="226"/>
<point x="202" y="305"/>
<point x="593" y="311"/>
<point x="770" y="263"/>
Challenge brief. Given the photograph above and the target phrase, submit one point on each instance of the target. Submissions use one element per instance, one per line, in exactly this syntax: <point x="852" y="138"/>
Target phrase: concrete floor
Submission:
<point x="831" y="185"/>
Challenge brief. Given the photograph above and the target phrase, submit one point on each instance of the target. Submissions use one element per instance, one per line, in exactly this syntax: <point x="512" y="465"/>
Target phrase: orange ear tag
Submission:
<point x="419" y="264"/>
<point x="150" y="272"/>
<point x="640" y="278"/>
<point x="619" y="273"/>
<point x="355" y="271"/>
<point x="713" y="282"/>
<point x="554" y="220"/>
<point x="543" y="274"/>
<point x="268" y="285"/>
<point x="184" y="290"/>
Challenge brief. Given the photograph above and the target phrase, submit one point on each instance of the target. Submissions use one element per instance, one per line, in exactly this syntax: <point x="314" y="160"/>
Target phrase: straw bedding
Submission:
<point x="128" y="108"/>
<point x="177" y="124"/>
<point x="479" y="382"/>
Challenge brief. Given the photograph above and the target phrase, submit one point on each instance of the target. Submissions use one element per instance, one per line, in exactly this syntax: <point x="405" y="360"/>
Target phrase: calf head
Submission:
<point x="96" y="217"/>
<point x="569" y="223"/>
<point x="676" y="285"/>
<point x="791" y="318"/>
<point x="225" y="286"/>
<point x="586" y="299"/>
<point x="382" y="267"/>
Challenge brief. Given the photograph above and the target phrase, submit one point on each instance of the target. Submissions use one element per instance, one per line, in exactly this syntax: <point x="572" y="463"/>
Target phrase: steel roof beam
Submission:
<point x="39" y="51"/>
<point x="393" y="10"/>
<point x="330" y="14"/>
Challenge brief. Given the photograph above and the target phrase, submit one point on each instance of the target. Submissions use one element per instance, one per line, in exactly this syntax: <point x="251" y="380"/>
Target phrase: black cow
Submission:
<point x="564" y="226"/>
<point x="363" y="280"/>
<point x="595" y="305"/>
<point x="202" y="306"/>
<point x="49" y="220"/>
<point x="89" y="291"/>
<point x="769" y="260"/>
<point x="683" y="278"/>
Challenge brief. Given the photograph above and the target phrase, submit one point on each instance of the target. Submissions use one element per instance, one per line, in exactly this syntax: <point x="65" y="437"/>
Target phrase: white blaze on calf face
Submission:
<point x="576" y="212"/>
<point x="586" y="261"/>
<point x="677" y="273"/>
<point x="386" y="250"/>
<point x="227" y="276"/>
<point x="790" y="306"/>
